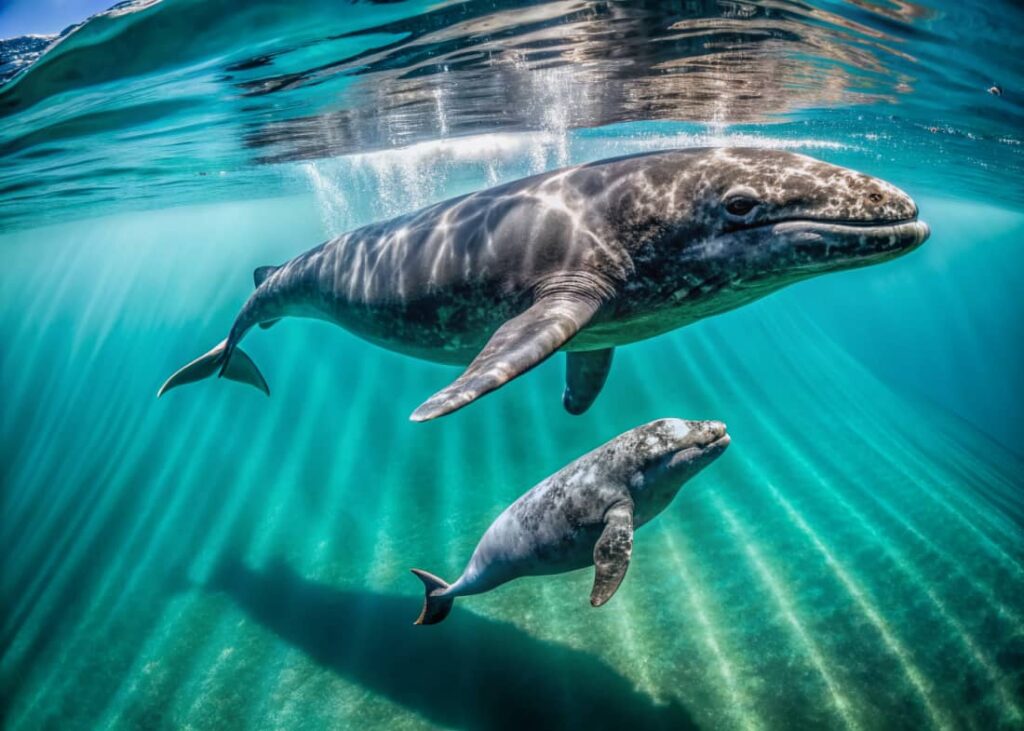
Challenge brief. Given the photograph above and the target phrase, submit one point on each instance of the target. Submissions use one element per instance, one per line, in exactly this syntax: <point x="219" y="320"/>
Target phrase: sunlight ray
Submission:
<point x="835" y="696"/>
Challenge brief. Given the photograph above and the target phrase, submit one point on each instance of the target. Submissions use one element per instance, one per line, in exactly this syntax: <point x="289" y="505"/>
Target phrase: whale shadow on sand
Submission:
<point x="468" y="673"/>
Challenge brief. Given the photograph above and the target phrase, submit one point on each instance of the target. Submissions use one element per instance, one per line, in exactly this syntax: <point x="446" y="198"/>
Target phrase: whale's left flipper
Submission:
<point x="516" y="347"/>
<point x="612" y="552"/>
<point x="239" y="368"/>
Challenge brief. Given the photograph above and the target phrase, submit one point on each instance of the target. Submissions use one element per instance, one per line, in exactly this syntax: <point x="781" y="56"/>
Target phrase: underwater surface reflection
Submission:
<point x="120" y="112"/>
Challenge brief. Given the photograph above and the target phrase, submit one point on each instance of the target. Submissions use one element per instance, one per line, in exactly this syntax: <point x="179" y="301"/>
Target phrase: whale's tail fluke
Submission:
<point x="239" y="367"/>
<point x="435" y="606"/>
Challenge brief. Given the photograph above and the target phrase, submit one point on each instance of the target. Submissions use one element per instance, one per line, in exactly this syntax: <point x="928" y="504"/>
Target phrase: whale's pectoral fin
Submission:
<point x="612" y="552"/>
<point x="516" y="347"/>
<point x="585" y="374"/>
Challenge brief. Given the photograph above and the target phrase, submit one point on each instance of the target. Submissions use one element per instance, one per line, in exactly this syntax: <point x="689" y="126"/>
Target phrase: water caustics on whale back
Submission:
<point x="581" y="259"/>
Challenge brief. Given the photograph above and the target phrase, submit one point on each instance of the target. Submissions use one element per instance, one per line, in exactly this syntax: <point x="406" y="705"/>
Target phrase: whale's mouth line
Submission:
<point x="697" y="450"/>
<point x="838" y="222"/>
<point x="868" y="238"/>
<point x="873" y="238"/>
<point x="722" y="442"/>
<point x="853" y="223"/>
<point x="904" y="226"/>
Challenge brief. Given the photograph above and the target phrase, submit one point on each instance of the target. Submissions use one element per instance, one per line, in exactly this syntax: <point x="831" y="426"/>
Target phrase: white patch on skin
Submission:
<point x="680" y="429"/>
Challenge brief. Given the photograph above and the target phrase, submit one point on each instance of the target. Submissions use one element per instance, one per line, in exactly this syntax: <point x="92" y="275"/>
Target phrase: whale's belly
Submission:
<point x="613" y="333"/>
<point x="510" y="551"/>
<point x="453" y="327"/>
<point x="439" y="329"/>
<point x="633" y="321"/>
<point x="549" y="530"/>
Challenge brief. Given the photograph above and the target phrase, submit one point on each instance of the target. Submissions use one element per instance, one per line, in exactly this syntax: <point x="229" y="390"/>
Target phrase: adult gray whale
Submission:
<point x="585" y="513"/>
<point x="581" y="259"/>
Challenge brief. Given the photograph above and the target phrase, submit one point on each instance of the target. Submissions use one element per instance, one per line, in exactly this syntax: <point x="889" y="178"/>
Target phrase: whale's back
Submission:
<point x="502" y="239"/>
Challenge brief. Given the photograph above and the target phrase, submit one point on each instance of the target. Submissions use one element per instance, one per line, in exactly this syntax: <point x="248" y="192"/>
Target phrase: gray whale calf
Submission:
<point x="585" y="513"/>
<point x="581" y="259"/>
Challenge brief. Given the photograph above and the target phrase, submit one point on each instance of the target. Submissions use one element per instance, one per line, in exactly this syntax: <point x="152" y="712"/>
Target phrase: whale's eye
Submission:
<point x="740" y="205"/>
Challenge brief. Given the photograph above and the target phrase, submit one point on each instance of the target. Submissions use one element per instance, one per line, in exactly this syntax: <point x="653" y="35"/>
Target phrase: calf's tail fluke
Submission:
<point x="435" y="606"/>
<point x="235" y="365"/>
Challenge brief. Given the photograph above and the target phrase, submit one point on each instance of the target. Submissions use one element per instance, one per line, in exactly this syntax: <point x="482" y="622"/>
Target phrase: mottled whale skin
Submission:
<point x="585" y="513"/>
<point x="581" y="259"/>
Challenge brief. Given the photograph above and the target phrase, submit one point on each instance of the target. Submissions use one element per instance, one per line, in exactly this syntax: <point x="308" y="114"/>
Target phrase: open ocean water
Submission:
<point x="218" y="559"/>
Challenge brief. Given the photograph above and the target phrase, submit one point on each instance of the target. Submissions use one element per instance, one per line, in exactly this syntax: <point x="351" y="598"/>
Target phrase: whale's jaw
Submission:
<point x="833" y="245"/>
<point x="770" y="256"/>
<point x="706" y="445"/>
<point x="767" y="258"/>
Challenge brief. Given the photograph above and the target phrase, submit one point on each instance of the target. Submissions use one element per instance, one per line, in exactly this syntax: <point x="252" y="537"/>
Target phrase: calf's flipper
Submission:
<point x="612" y="552"/>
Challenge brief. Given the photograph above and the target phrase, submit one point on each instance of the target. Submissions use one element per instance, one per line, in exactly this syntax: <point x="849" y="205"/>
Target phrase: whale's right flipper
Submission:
<point x="612" y="552"/>
<point x="585" y="374"/>
<point x="516" y="347"/>
<point x="239" y="368"/>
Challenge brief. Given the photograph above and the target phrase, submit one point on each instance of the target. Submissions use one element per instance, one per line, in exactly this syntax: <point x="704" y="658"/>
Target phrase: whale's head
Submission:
<point x="756" y="220"/>
<point x="666" y="454"/>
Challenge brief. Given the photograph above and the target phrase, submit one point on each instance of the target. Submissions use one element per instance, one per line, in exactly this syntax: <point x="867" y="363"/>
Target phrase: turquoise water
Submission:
<point x="217" y="559"/>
